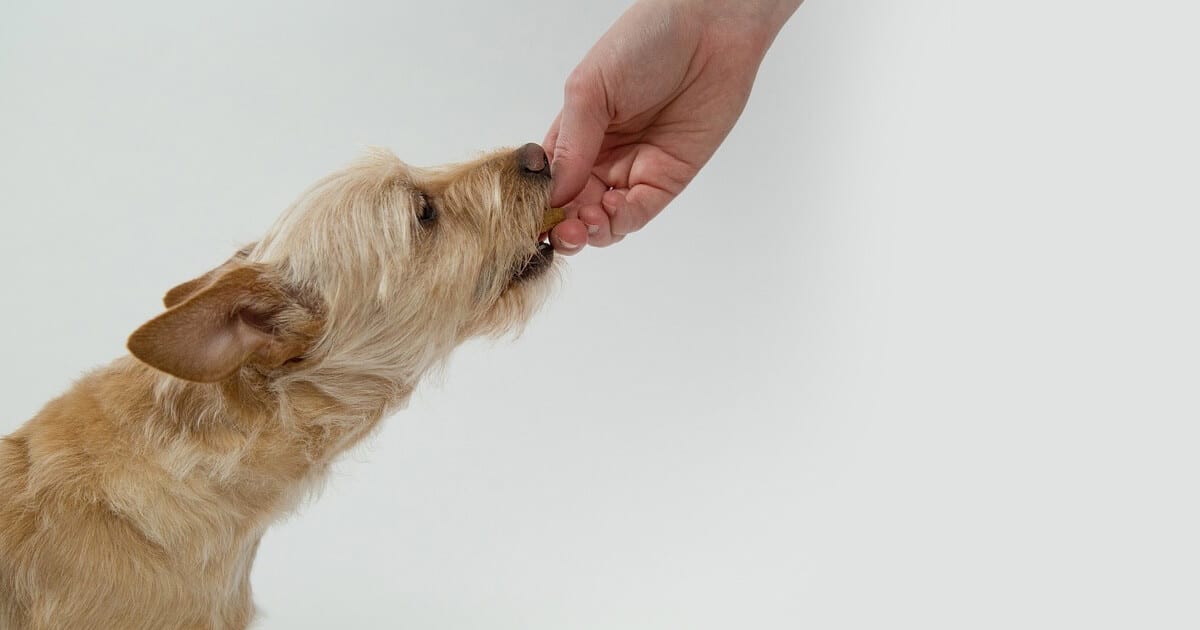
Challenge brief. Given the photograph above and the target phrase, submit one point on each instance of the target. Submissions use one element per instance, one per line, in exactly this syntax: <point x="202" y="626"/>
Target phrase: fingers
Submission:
<point x="572" y="234"/>
<point x="569" y="237"/>
<point x="552" y="135"/>
<point x="578" y="135"/>
<point x="619" y="213"/>
<point x="630" y="210"/>
<point x="597" y="223"/>
<point x="590" y="226"/>
<point x="589" y="223"/>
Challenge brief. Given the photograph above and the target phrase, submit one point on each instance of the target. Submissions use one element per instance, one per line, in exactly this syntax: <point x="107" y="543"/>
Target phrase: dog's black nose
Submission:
<point x="532" y="160"/>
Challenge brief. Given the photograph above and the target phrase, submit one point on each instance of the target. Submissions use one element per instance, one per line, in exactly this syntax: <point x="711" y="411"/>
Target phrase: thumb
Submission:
<point x="578" y="137"/>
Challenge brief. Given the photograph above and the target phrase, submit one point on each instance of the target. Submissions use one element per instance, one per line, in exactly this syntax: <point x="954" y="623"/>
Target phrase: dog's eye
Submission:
<point x="428" y="212"/>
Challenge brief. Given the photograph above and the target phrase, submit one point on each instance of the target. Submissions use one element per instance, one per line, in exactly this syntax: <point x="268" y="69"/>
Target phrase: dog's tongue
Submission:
<point x="553" y="217"/>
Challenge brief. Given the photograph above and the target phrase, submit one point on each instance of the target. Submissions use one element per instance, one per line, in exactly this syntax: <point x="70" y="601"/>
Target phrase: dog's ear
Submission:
<point x="182" y="292"/>
<point x="238" y="316"/>
<point x="186" y="290"/>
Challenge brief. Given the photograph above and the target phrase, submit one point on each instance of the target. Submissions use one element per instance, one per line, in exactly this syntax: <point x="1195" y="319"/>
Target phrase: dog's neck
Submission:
<point x="235" y="455"/>
<point x="300" y="418"/>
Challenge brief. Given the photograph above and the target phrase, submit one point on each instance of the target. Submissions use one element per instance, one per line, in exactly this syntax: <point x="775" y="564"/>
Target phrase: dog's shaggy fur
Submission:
<point x="138" y="498"/>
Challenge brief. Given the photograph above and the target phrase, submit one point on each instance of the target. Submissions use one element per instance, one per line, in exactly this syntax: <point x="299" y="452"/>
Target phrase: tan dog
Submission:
<point x="138" y="498"/>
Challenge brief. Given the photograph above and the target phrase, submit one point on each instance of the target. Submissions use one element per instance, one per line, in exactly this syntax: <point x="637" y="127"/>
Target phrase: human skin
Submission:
<point x="648" y="106"/>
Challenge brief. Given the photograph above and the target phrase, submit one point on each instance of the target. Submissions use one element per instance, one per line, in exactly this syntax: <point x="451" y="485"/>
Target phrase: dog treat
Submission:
<point x="553" y="217"/>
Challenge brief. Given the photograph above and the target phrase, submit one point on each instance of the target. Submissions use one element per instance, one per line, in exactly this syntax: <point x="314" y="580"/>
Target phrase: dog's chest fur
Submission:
<point x="153" y="491"/>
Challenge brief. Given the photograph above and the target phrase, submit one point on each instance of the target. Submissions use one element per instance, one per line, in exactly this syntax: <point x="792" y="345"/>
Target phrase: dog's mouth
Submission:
<point x="537" y="264"/>
<point x="540" y="261"/>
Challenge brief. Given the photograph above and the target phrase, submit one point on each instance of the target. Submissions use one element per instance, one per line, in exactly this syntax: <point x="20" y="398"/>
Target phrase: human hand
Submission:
<point x="648" y="106"/>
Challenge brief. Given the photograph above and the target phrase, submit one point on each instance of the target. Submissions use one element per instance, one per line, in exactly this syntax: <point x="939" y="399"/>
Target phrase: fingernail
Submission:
<point x="592" y="229"/>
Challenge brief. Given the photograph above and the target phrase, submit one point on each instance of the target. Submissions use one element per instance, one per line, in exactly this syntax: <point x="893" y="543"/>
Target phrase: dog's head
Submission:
<point x="378" y="270"/>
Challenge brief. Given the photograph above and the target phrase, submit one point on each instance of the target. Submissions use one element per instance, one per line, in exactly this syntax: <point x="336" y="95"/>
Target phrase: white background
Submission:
<point x="918" y="349"/>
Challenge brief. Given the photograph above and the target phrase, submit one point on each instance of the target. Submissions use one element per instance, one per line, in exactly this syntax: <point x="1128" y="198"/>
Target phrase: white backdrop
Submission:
<point x="918" y="349"/>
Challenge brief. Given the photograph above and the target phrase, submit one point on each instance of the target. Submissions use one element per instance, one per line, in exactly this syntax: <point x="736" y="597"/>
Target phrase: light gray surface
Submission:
<point x="918" y="349"/>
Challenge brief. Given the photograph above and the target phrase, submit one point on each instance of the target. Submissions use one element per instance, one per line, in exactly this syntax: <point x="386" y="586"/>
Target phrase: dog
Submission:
<point x="138" y="498"/>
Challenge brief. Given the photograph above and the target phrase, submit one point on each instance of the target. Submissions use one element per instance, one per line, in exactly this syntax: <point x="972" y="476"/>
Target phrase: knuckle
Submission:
<point x="579" y="85"/>
<point x="593" y="216"/>
<point x="607" y="241"/>
<point x="627" y="222"/>
<point x="564" y="150"/>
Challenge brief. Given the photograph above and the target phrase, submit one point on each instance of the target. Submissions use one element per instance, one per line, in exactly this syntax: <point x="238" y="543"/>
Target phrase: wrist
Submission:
<point x="754" y="22"/>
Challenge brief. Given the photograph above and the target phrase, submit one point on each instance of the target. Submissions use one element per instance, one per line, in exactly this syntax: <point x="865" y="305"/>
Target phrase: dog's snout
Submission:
<point x="532" y="160"/>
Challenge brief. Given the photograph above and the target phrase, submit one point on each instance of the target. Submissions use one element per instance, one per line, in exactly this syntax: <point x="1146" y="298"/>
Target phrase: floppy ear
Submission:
<point x="238" y="316"/>
<point x="187" y="289"/>
<point x="191" y="287"/>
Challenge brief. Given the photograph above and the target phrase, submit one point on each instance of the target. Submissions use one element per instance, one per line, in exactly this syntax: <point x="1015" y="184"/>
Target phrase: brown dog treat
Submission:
<point x="553" y="217"/>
